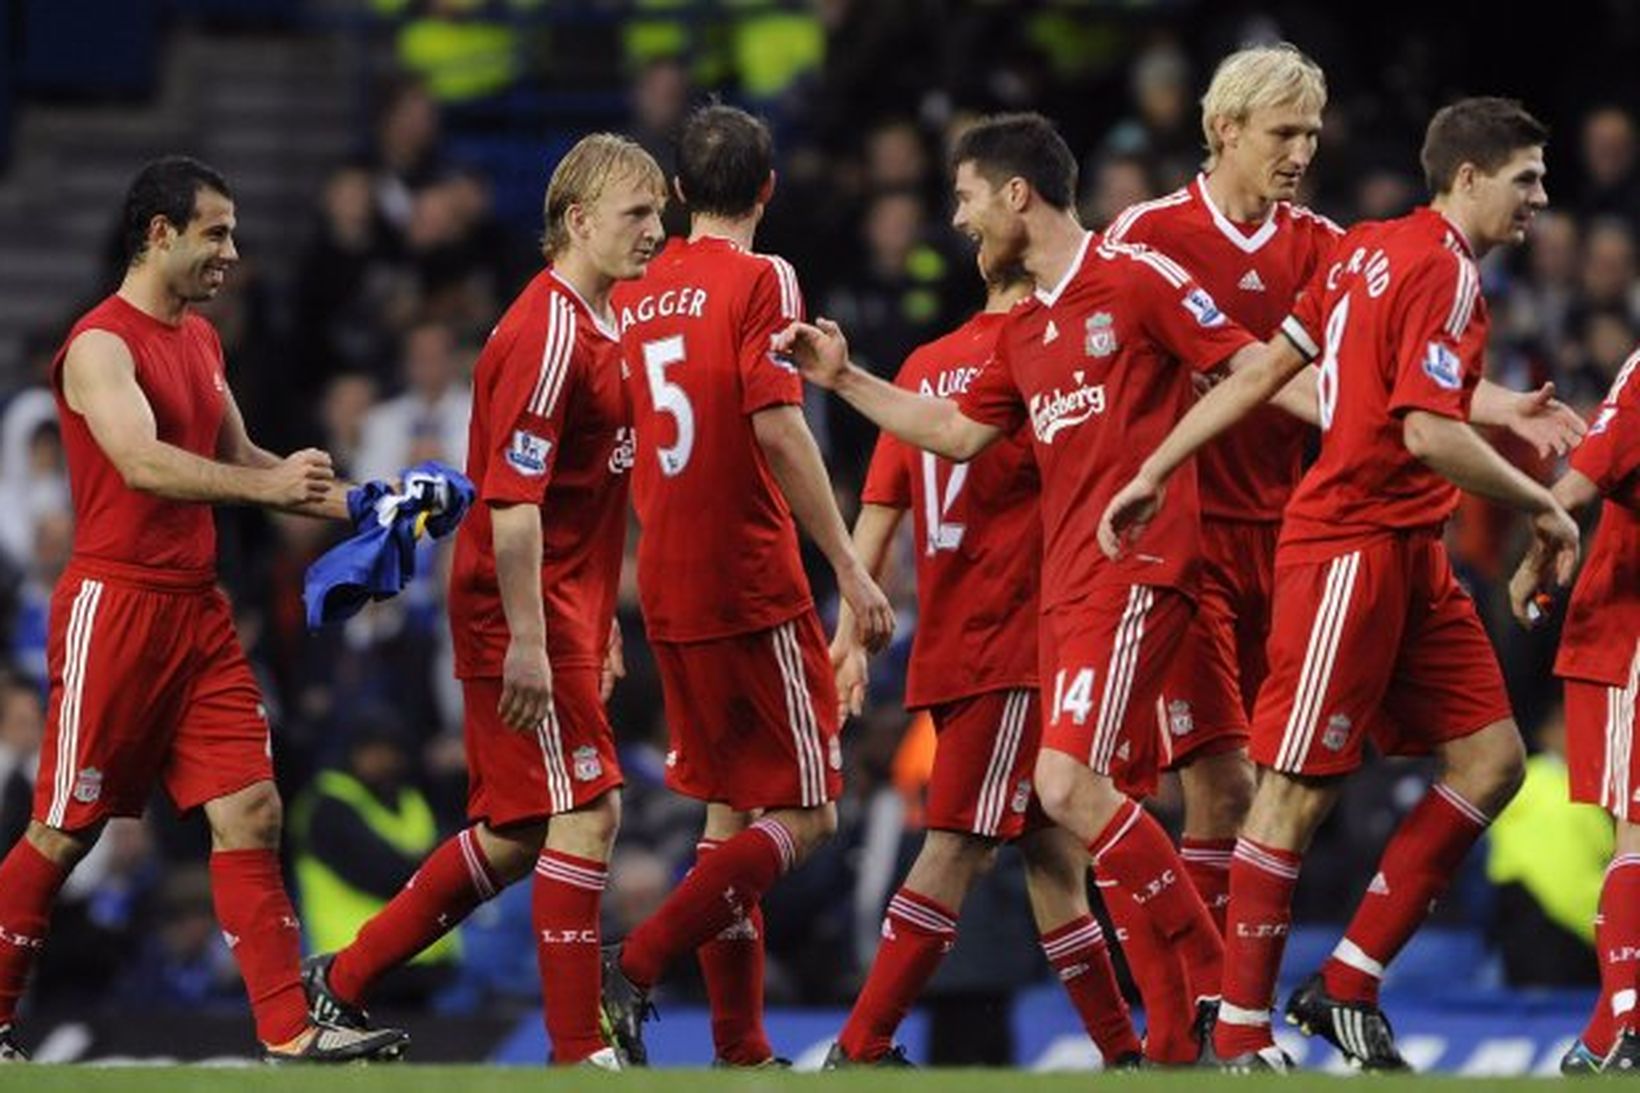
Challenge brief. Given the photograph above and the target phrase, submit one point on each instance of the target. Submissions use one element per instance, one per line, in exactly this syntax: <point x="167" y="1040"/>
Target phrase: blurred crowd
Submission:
<point x="414" y="248"/>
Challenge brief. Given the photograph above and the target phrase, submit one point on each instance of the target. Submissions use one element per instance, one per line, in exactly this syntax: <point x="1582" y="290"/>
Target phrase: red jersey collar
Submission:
<point x="606" y="327"/>
<point x="1435" y="216"/>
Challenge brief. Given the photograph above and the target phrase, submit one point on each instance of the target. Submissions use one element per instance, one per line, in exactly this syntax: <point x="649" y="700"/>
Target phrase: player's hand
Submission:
<point x="1548" y="565"/>
<point x="819" y="350"/>
<point x="298" y="478"/>
<point x="873" y="615"/>
<point x="1547" y="424"/>
<point x="848" y="665"/>
<point x="1128" y="514"/>
<point x="614" y="663"/>
<point x="526" y="686"/>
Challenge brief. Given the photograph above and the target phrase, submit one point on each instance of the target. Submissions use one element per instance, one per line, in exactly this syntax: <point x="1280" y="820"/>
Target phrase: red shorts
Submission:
<point x="753" y="717"/>
<point x="1208" y="695"/>
<point x="1601" y="724"/>
<point x="147" y="682"/>
<point x="1380" y="641"/>
<point x="981" y="781"/>
<point x="565" y="764"/>
<point x="1103" y="661"/>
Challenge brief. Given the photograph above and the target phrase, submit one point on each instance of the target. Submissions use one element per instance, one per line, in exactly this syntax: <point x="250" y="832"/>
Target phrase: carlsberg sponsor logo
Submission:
<point x="1060" y="409"/>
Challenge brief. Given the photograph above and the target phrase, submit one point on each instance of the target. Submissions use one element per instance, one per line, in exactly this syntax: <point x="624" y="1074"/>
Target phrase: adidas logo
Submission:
<point x="1250" y="282"/>
<point x="1051" y="333"/>
<point x="1379" y="886"/>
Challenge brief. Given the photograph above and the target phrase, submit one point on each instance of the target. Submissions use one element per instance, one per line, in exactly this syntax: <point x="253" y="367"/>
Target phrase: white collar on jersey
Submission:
<point x="606" y="327"/>
<point x="1052" y="296"/>
<point x="1248" y="243"/>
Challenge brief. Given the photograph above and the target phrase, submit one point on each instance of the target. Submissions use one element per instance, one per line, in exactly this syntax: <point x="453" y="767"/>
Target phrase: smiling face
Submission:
<point x="1505" y="201"/>
<point x="1271" y="148"/>
<point x="990" y="216"/>
<point x="194" y="260"/>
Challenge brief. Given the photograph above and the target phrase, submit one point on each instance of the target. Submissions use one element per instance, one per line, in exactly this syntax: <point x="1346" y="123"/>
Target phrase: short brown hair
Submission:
<point x="1020" y="146"/>
<point x="725" y="156"/>
<point x="1484" y="131"/>
<point x="580" y="178"/>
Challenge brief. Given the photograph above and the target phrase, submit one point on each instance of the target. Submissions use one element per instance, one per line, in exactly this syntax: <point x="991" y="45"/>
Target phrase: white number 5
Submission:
<point x="669" y="398"/>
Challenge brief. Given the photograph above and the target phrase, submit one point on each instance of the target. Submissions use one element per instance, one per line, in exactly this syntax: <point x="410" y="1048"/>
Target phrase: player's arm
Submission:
<point x="794" y="460"/>
<point x="1257" y="373"/>
<point x="235" y="446"/>
<point x="934" y="425"/>
<point x="100" y="384"/>
<point x="1575" y="491"/>
<point x="1601" y="466"/>
<point x="1537" y="417"/>
<point x="1453" y="449"/>
<point x="874" y="530"/>
<point x="1299" y="398"/>
<point x="526" y="677"/>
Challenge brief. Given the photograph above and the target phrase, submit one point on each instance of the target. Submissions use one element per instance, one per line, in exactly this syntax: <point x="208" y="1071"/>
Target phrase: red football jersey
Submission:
<point x="550" y="427"/>
<point x="1100" y="367"/>
<point x="718" y="555"/>
<point x="179" y="369"/>
<point x="979" y="538"/>
<point x="1602" y="631"/>
<point x="1255" y="273"/>
<point x="1399" y="323"/>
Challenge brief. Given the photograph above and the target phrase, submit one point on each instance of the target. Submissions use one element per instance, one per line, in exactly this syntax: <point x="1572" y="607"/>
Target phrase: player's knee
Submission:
<point x="1287" y="809"/>
<point x="511" y="851"/>
<point x="250" y="819"/>
<point x="1056" y="788"/>
<point x="1231" y="797"/>
<point x="955" y="851"/>
<point x="822" y="824"/>
<point x="810" y="827"/>
<point x="602" y="820"/>
<point x="1498" y="776"/>
<point x="63" y="848"/>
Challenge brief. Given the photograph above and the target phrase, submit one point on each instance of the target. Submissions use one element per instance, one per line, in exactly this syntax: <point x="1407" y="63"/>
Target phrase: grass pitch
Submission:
<point x="492" y="1079"/>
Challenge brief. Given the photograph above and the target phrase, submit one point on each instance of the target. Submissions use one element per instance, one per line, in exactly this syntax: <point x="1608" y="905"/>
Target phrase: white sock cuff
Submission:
<point x="1232" y="1014"/>
<point x="1348" y="952"/>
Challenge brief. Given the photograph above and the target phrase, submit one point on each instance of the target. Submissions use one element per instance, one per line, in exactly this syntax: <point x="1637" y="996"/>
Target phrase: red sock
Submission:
<point x="717" y="891"/>
<point x="1262" y="880"/>
<point x="732" y="966"/>
<point x="1135" y="851"/>
<point x="453" y="880"/>
<point x="1157" y="971"/>
<point x="28" y="885"/>
<point x="1080" y="958"/>
<point x="1416" y="868"/>
<point x="1207" y="864"/>
<point x="917" y="933"/>
<point x="262" y="930"/>
<point x="564" y="907"/>
<point x="1601" y="1031"/>
<point x="1617" y="940"/>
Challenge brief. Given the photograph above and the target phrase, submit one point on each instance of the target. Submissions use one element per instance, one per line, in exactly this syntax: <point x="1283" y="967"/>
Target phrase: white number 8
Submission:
<point x="1326" y="385"/>
<point x="669" y="398"/>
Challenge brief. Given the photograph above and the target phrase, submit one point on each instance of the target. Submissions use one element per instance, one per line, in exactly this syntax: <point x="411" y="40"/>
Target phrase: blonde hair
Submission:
<point x="580" y="177"/>
<point x="1257" y="77"/>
